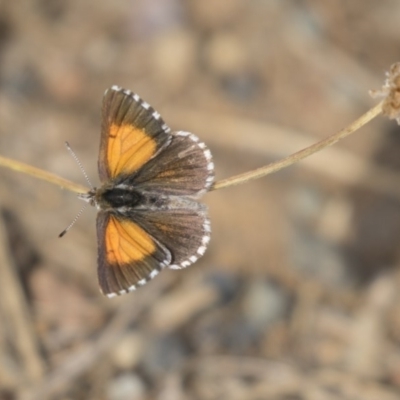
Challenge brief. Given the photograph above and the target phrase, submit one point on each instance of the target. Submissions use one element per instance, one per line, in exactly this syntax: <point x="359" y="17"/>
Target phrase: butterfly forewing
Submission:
<point x="132" y="134"/>
<point x="128" y="256"/>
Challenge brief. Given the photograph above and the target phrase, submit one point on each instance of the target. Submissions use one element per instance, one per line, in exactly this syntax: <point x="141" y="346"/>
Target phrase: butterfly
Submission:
<point x="151" y="177"/>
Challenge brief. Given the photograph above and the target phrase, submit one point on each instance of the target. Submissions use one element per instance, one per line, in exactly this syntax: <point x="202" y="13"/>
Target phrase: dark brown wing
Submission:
<point x="184" y="168"/>
<point x="185" y="232"/>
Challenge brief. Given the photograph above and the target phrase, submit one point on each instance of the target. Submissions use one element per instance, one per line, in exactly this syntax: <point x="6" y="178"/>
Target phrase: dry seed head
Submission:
<point x="390" y="92"/>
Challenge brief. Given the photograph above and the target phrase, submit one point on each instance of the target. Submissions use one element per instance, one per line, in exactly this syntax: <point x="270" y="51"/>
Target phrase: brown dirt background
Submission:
<point x="297" y="297"/>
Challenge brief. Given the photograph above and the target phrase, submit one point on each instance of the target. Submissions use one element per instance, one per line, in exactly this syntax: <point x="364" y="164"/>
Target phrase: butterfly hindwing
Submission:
<point x="183" y="168"/>
<point x="185" y="232"/>
<point x="132" y="133"/>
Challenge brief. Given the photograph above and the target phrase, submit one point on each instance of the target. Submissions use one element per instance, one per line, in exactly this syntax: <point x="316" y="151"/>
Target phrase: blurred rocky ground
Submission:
<point x="298" y="295"/>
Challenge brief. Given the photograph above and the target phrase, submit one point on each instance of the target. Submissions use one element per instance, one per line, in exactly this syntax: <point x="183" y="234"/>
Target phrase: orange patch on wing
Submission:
<point x="167" y="174"/>
<point x="126" y="242"/>
<point x="128" y="149"/>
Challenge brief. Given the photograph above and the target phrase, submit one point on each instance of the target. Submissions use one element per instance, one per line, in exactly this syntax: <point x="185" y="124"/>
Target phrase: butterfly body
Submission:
<point x="149" y="217"/>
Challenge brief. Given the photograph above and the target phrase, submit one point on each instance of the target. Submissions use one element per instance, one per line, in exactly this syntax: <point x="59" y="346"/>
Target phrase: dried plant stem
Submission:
<point x="235" y="180"/>
<point x="43" y="175"/>
<point x="299" y="155"/>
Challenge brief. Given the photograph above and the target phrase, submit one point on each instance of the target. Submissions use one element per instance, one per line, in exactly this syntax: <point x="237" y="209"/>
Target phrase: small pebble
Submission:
<point x="126" y="386"/>
<point x="128" y="352"/>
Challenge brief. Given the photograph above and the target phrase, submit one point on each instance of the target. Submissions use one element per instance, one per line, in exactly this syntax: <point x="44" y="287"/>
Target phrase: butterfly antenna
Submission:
<point x="73" y="221"/>
<point x="81" y="168"/>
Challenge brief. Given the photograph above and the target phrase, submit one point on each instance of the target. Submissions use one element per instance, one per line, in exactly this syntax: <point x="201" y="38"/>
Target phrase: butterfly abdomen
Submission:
<point x="115" y="198"/>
